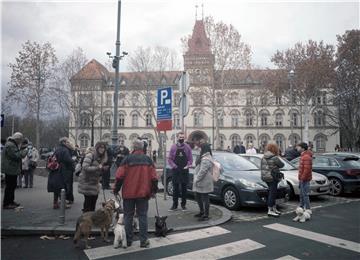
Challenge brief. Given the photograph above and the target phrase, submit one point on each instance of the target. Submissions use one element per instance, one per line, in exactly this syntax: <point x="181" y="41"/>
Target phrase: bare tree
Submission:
<point x="31" y="78"/>
<point x="314" y="65"/>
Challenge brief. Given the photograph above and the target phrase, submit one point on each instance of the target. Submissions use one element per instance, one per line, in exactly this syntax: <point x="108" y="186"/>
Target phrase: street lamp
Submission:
<point x="291" y="76"/>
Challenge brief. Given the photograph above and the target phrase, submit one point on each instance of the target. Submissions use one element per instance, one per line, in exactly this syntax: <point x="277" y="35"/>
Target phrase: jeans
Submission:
<point x="69" y="180"/>
<point x="272" y="193"/>
<point x="304" y="194"/>
<point x="106" y="179"/>
<point x="89" y="203"/>
<point x="29" y="177"/>
<point x="10" y="186"/>
<point x="142" y="206"/>
<point x="203" y="201"/>
<point x="176" y="195"/>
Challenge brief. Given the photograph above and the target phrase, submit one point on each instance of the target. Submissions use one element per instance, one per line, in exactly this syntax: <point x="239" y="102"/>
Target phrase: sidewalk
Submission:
<point x="39" y="218"/>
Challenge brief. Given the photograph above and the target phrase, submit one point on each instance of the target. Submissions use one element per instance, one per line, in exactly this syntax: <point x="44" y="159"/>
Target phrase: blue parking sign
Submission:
<point x="164" y="107"/>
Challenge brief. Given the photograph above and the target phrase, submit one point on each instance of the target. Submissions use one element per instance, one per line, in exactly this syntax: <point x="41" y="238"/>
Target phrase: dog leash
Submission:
<point x="157" y="208"/>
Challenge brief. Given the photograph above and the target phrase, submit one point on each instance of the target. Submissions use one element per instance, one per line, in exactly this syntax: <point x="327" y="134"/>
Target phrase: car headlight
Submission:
<point x="282" y="183"/>
<point x="250" y="184"/>
<point x="312" y="182"/>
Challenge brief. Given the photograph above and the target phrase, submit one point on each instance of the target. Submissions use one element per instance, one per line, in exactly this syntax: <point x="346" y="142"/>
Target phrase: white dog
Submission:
<point x="302" y="215"/>
<point x="119" y="233"/>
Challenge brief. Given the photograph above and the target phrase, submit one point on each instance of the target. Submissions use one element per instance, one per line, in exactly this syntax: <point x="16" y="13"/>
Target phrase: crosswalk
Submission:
<point x="223" y="249"/>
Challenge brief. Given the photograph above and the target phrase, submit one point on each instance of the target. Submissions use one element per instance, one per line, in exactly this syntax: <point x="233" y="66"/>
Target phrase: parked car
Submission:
<point x="318" y="186"/>
<point x="239" y="184"/>
<point x="45" y="153"/>
<point x="343" y="171"/>
<point x="343" y="154"/>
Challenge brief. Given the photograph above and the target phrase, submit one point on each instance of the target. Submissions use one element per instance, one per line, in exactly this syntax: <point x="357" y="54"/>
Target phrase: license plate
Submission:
<point x="323" y="188"/>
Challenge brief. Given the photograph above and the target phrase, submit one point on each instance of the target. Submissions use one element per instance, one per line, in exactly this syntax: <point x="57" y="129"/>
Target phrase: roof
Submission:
<point x="199" y="43"/>
<point x="93" y="70"/>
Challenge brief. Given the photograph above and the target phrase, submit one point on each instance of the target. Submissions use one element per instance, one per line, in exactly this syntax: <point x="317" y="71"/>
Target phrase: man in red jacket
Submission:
<point x="137" y="177"/>
<point x="305" y="174"/>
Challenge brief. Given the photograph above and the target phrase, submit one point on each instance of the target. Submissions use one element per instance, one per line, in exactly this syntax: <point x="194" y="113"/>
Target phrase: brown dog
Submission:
<point x="101" y="218"/>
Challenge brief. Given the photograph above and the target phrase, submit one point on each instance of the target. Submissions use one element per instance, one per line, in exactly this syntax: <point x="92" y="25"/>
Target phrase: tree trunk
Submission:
<point x="38" y="125"/>
<point x="306" y="119"/>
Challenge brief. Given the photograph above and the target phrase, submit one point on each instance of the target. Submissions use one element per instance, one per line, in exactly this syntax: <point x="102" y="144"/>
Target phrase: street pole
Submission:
<point x="164" y="169"/>
<point x="116" y="62"/>
<point x="182" y="103"/>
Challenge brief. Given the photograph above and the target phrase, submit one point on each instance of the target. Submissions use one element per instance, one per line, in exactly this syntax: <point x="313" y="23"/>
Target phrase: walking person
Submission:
<point x="203" y="181"/>
<point x="93" y="166"/>
<point x="180" y="159"/>
<point x="11" y="160"/>
<point x="305" y="175"/>
<point x="31" y="164"/>
<point x="251" y="149"/>
<point x="138" y="179"/>
<point x="270" y="173"/>
<point x="63" y="155"/>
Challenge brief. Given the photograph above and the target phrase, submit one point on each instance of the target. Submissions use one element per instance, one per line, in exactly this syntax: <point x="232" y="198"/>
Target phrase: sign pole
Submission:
<point x="164" y="170"/>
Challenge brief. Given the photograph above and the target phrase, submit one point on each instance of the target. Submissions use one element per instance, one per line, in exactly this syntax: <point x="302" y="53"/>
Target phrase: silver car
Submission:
<point x="319" y="184"/>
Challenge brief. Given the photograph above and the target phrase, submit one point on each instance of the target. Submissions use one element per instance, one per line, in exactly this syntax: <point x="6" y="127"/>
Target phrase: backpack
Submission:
<point x="266" y="175"/>
<point x="52" y="163"/>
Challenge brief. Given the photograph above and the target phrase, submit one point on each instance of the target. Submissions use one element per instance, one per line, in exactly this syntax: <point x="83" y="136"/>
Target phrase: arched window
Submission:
<point x="106" y="138"/>
<point x="121" y="119"/>
<point x="320" y="143"/>
<point x="148" y="120"/>
<point x="134" y="120"/>
<point x="198" y="119"/>
<point x="107" y="120"/>
<point x="249" y="118"/>
<point x="280" y="141"/>
<point x="84" y="141"/>
<point x="121" y="139"/>
<point x="84" y="119"/>
<point x="278" y="119"/>
<point x="294" y="139"/>
<point x="235" y="140"/>
<point x="235" y="119"/>
<point x="319" y="118"/>
<point x="249" y="138"/>
<point x="264" y="139"/>
<point x="263" y="120"/>
<point x="294" y="118"/>
<point x="132" y="137"/>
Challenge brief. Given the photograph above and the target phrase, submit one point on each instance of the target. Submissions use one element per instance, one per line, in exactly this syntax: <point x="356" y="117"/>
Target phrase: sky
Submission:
<point x="266" y="26"/>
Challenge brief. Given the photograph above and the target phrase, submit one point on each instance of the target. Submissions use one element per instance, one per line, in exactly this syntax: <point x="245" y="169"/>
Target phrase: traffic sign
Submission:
<point x="184" y="82"/>
<point x="164" y="109"/>
<point x="184" y="105"/>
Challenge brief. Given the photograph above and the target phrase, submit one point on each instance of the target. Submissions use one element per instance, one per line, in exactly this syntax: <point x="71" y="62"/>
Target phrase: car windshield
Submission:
<point x="233" y="162"/>
<point x="353" y="163"/>
<point x="287" y="165"/>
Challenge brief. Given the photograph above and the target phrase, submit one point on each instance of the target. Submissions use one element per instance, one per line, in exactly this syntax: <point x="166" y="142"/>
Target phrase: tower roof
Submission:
<point x="93" y="70"/>
<point x="199" y="43"/>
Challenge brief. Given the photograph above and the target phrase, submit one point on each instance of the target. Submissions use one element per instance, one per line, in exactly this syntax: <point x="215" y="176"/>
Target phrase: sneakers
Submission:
<point x="145" y="244"/>
<point x="272" y="213"/>
<point x="276" y="211"/>
<point x="183" y="208"/>
<point x="173" y="208"/>
<point x="199" y="215"/>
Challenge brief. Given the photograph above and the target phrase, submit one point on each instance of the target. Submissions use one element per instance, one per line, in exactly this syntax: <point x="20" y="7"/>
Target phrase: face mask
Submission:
<point x="181" y="141"/>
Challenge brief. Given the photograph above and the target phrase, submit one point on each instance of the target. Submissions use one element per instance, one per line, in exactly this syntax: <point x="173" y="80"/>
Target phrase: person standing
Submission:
<point x="180" y="159"/>
<point x="251" y="149"/>
<point x="63" y="155"/>
<point x="291" y="153"/>
<point x="120" y="153"/>
<point x="242" y="148"/>
<point x="270" y="173"/>
<point x="305" y="175"/>
<point x="105" y="179"/>
<point x="31" y="164"/>
<point x="138" y="180"/>
<point x="11" y="160"/>
<point x="236" y="149"/>
<point x="203" y="181"/>
<point x="24" y="168"/>
<point x="93" y="166"/>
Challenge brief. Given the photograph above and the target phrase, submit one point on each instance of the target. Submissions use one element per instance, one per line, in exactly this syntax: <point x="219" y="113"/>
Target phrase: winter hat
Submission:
<point x="17" y="136"/>
<point x="303" y="146"/>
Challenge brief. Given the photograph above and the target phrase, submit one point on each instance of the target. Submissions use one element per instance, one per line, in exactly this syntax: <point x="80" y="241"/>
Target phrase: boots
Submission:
<point x="272" y="213"/>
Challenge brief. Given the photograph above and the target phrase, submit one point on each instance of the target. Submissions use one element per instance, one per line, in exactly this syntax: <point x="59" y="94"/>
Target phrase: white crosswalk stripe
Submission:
<point x="333" y="241"/>
<point x="107" y="251"/>
<point x="287" y="257"/>
<point x="218" y="252"/>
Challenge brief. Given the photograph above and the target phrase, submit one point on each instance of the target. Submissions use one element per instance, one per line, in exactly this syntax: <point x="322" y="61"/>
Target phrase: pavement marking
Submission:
<point x="107" y="251"/>
<point x="218" y="252"/>
<point x="333" y="241"/>
<point x="287" y="257"/>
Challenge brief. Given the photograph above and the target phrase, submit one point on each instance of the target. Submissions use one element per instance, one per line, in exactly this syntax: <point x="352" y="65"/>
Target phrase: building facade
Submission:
<point x="242" y="110"/>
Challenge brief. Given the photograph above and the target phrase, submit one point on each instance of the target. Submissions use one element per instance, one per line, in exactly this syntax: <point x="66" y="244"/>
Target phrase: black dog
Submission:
<point x="161" y="229"/>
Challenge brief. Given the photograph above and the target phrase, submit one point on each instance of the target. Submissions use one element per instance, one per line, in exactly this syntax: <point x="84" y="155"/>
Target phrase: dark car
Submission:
<point x="342" y="170"/>
<point x="45" y="153"/>
<point x="239" y="184"/>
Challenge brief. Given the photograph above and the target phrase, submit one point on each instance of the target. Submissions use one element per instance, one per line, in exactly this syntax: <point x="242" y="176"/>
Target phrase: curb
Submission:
<point x="61" y="230"/>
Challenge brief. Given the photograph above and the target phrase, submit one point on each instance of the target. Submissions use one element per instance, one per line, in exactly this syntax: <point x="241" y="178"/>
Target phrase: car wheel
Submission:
<point x="169" y="187"/>
<point x="231" y="198"/>
<point x="336" y="186"/>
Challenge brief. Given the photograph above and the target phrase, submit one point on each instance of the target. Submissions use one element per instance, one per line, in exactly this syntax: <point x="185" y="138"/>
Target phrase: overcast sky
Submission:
<point x="265" y="25"/>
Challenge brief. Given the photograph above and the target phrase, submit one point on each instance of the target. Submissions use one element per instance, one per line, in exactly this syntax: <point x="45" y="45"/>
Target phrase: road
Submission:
<point x="332" y="233"/>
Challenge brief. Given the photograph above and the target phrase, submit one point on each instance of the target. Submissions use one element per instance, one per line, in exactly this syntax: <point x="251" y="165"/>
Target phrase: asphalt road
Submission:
<point x="332" y="233"/>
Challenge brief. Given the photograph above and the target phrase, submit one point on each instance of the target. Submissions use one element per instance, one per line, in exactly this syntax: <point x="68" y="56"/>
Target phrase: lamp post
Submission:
<point x="291" y="78"/>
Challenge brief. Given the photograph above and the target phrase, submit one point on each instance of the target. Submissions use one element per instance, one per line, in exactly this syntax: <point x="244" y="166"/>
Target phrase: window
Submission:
<point x="220" y="119"/>
<point x="235" y="120"/>
<point x="234" y="98"/>
<point x="176" y="121"/>
<point x="107" y="120"/>
<point x="84" y="141"/>
<point x="198" y="98"/>
<point x="108" y="100"/>
<point x="135" y="99"/>
<point x="319" y="118"/>
<point x="320" y="142"/>
<point x="264" y="139"/>
<point x="249" y="119"/>
<point x="85" y="100"/>
<point x="249" y="99"/>
<point x="122" y="98"/>
<point x="263" y="119"/>
<point x="219" y="98"/>
<point x="294" y="119"/>
<point x="249" y="139"/>
<point x="263" y="101"/>
<point x="121" y="120"/>
<point x="294" y="139"/>
<point x="280" y="141"/>
<point x="85" y="120"/>
<point x="135" y="120"/>
<point x="278" y="119"/>
<point x="122" y="138"/>
<point x="235" y="140"/>
<point x="278" y="100"/>
<point x="198" y="119"/>
<point x="148" y="120"/>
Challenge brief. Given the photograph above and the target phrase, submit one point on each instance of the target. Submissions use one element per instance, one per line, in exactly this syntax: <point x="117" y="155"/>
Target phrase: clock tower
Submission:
<point x="198" y="60"/>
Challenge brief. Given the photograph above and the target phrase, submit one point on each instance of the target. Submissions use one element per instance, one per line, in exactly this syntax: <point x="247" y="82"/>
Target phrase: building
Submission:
<point x="241" y="110"/>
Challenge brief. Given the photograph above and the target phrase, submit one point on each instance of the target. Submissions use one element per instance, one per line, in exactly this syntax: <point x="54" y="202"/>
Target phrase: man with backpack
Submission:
<point x="180" y="159"/>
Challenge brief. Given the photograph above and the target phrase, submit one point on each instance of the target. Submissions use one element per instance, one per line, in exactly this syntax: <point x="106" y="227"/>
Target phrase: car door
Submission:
<point x="321" y="165"/>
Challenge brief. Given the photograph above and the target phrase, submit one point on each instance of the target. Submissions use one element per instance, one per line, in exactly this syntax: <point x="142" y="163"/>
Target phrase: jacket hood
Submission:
<point x="268" y="155"/>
